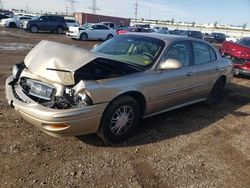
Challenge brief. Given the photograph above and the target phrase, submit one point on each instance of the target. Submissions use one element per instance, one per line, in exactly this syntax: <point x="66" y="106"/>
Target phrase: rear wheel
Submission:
<point x="83" y="37"/>
<point x="109" y="36"/>
<point x="119" y="120"/>
<point x="33" y="29"/>
<point x="59" y="30"/>
<point x="217" y="92"/>
<point x="12" y="25"/>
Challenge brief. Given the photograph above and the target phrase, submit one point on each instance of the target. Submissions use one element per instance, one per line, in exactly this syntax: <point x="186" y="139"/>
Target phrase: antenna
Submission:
<point x="72" y="4"/>
<point x="136" y="9"/>
<point x="94" y="8"/>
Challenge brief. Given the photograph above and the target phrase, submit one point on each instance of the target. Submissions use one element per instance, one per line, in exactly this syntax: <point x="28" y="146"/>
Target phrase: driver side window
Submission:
<point x="179" y="51"/>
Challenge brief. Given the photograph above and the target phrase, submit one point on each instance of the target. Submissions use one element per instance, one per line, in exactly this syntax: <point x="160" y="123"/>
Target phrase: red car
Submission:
<point x="239" y="53"/>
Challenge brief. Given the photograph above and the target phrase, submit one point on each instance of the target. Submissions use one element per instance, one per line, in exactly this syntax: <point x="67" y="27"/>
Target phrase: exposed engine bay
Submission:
<point x="47" y="95"/>
<point x="58" y="96"/>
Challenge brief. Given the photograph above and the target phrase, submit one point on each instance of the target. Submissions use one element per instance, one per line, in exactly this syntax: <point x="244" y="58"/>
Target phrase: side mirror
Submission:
<point x="95" y="46"/>
<point x="170" y="64"/>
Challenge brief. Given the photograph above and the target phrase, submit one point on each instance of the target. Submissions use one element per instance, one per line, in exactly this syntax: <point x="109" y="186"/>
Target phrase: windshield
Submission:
<point x="140" y="51"/>
<point x="244" y="42"/>
<point x="86" y="26"/>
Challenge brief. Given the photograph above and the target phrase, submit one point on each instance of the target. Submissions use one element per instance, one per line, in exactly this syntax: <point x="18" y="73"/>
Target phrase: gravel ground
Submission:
<point x="196" y="146"/>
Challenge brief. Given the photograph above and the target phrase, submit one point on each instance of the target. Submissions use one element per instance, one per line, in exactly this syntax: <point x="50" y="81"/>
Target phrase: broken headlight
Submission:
<point x="37" y="89"/>
<point x="80" y="98"/>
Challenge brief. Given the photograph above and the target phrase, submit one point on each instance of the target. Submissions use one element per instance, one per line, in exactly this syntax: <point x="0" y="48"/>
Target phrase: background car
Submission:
<point x="230" y="38"/>
<point x="71" y="22"/>
<point x="239" y="53"/>
<point x="215" y="38"/>
<point x="109" y="24"/>
<point x="47" y="23"/>
<point x="2" y="16"/>
<point x="15" y="21"/>
<point x="135" y="29"/>
<point x="162" y="31"/>
<point x="91" y="32"/>
<point x="193" y="34"/>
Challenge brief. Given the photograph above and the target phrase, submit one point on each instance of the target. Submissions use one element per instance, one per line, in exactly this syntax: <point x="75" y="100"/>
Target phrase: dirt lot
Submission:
<point x="196" y="146"/>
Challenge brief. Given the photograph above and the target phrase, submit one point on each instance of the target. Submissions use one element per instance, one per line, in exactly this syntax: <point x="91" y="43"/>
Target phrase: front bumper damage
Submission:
<point x="76" y="121"/>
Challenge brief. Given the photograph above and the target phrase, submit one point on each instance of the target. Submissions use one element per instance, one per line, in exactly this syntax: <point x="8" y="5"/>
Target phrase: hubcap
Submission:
<point x="33" y="29"/>
<point x="121" y="120"/>
<point x="83" y="37"/>
<point x="59" y="30"/>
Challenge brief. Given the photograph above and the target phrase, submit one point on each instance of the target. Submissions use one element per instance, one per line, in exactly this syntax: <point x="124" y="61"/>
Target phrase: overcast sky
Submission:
<point x="235" y="12"/>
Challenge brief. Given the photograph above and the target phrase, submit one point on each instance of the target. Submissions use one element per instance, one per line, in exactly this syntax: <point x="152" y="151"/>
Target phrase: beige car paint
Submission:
<point x="163" y="90"/>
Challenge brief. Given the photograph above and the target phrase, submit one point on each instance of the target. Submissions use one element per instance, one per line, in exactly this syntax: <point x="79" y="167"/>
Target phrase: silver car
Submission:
<point x="68" y="91"/>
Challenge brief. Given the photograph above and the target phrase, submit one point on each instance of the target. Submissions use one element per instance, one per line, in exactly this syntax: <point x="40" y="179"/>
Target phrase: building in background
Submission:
<point x="83" y="18"/>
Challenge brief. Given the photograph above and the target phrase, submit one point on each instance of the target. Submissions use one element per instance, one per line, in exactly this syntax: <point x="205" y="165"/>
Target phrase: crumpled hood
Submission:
<point x="57" y="62"/>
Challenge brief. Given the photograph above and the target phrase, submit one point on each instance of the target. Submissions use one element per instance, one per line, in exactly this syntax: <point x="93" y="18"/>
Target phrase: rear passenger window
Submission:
<point x="212" y="54"/>
<point x="201" y="53"/>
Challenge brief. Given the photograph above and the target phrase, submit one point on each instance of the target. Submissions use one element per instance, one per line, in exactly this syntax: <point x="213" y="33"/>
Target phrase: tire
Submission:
<point x="83" y="37"/>
<point x="59" y="30"/>
<point x="109" y="36"/>
<point x="217" y="92"/>
<point x="12" y="25"/>
<point x="119" y="119"/>
<point x="33" y="28"/>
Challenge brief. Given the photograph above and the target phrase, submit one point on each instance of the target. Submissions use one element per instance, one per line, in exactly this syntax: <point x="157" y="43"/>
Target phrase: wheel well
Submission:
<point x="139" y="97"/>
<point x="34" y="25"/>
<point x="224" y="78"/>
<point x="12" y="23"/>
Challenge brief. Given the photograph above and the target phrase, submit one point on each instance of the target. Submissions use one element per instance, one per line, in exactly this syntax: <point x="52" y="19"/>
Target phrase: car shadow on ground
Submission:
<point x="182" y="121"/>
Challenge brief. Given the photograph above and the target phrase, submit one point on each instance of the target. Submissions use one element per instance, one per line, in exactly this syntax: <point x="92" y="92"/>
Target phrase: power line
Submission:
<point x="136" y="9"/>
<point x="72" y="4"/>
<point x="94" y="8"/>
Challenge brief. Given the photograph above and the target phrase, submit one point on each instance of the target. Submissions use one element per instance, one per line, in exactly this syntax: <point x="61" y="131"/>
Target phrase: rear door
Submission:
<point x="206" y="68"/>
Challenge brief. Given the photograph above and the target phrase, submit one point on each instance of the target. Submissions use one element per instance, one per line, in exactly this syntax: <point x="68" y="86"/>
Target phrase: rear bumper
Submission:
<point x="241" y="71"/>
<point x="79" y="121"/>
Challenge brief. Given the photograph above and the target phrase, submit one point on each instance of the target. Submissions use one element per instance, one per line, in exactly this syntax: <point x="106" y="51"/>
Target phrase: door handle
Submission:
<point x="219" y="69"/>
<point x="190" y="74"/>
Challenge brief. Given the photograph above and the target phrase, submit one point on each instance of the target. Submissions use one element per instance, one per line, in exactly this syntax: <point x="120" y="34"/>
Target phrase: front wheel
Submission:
<point x="12" y="25"/>
<point x="119" y="120"/>
<point x="217" y="92"/>
<point x="33" y="29"/>
<point x="83" y="37"/>
<point x="59" y="30"/>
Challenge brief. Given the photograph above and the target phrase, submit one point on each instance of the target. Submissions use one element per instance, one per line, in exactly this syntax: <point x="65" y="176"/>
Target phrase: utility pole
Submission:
<point x="72" y="4"/>
<point x="136" y="9"/>
<point x="94" y="8"/>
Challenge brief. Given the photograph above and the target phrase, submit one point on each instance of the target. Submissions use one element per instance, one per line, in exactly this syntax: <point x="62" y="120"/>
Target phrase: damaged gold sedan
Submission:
<point x="68" y="91"/>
